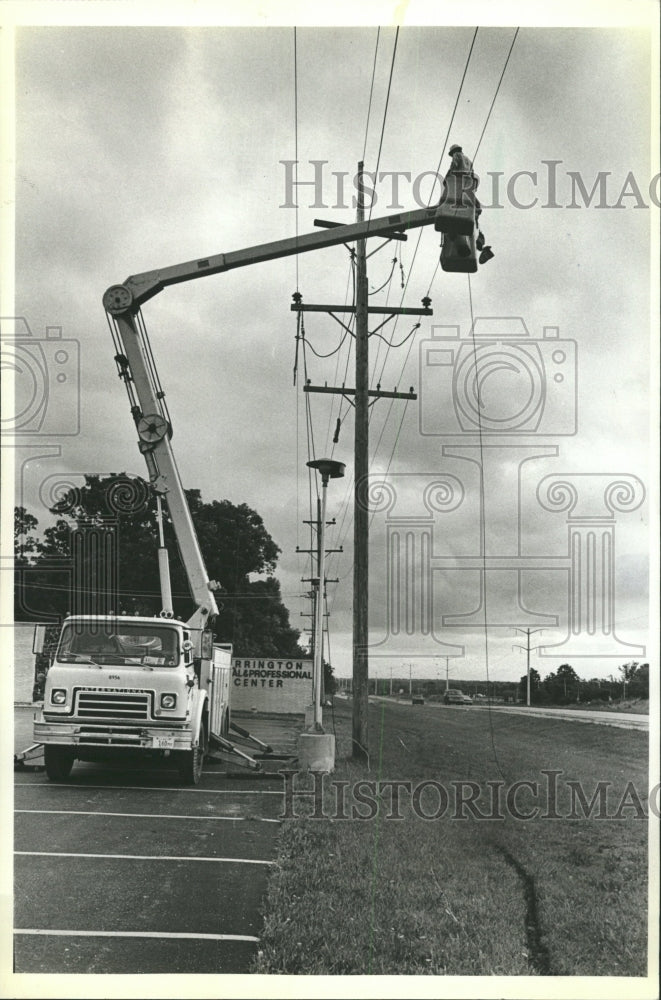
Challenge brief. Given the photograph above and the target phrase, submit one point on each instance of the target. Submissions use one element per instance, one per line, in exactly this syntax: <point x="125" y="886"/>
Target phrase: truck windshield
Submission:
<point x="130" y="644"/>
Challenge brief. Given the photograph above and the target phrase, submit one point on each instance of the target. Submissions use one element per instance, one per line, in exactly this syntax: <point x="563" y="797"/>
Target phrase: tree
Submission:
<point x="238" y="551"/>
<point x="629" y="671"/>
<point x="569" y="679"/>
<point x="562" y="686"/>
<point x="26" y="545"/>
<point x="640" y="686"/>
<point x="535" y="681"/>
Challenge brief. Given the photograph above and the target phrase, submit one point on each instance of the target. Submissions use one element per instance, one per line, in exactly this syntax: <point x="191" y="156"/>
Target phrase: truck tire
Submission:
<point x="58" y="762"/>
<point x="191" y="762"/>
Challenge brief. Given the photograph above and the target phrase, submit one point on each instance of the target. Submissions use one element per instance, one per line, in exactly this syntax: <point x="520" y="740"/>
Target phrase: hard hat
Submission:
<point x="455" y="149"/>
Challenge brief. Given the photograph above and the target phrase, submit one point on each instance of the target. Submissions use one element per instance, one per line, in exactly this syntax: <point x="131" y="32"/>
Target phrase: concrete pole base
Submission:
<point x="316" y="752"/>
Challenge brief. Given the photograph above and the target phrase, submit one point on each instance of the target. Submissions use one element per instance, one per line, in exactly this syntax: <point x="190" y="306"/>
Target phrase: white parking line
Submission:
<point x="86" y="812"/>
<point x="139" y="857"/>
<point x="94" y="812"/>
<point x="139" y="934"/>
<point x="147" y="788"/>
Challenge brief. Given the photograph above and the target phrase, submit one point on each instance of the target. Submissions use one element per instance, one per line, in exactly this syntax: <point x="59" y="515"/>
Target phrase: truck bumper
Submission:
<point x="83" y="735"/>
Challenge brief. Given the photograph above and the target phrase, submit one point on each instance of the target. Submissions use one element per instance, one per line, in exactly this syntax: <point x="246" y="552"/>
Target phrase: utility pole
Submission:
<point x="318" y="586"/>
<point x="328" y="469"/>
<point x="360" y="512"/>
<point x="447" y="674"/>
<point x="527" y="632"/>
<point x="360" y="398"/>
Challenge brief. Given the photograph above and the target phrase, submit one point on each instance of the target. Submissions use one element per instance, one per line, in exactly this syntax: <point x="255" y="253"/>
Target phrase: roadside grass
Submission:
<point x="636" y="706"/>
<point x="466" y="896"/>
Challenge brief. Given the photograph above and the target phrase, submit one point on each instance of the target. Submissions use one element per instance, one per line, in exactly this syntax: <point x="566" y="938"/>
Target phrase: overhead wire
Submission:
<point x="345" y="501"/>
<point x="406" y="284"/>
<point x="352" y="268"/>
<point x="495" y="95"/>
<point x="369" y="106"/>
<point x="385" y="114"/>
<point x="339" y="418"/>
<point x="378" y="160"/>
<point x="331" y="409"/>
<point x="483" y="525"/>
<point x="440" y="163"/>
<point x="417" y="245"/>
<point x="498" y="85"/>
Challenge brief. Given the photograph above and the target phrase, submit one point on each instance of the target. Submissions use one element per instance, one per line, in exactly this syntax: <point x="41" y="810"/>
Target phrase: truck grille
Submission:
<point x="113" y="705"/>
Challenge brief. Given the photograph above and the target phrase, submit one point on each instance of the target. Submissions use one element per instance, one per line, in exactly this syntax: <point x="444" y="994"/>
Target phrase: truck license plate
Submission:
<point x="164" y="742"/>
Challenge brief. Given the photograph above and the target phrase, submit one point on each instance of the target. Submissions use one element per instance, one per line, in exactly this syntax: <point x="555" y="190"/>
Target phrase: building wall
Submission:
<point x="266" y="685"/>
<point x="17" y="645"/>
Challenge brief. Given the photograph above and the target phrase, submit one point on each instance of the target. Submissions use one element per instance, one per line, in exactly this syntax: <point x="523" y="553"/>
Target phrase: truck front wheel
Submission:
<point x="58" y="762"/>
<point x="191" y="762"/>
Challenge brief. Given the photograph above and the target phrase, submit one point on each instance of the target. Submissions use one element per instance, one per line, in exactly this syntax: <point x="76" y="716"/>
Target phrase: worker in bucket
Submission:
<point x="458" y="214"/>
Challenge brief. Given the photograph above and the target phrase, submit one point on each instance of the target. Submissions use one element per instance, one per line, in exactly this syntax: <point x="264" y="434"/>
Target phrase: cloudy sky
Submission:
<point x="142" y="147"/>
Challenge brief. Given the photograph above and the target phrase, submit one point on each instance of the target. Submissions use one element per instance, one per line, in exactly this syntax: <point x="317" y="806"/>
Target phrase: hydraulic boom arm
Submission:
<point x="136" y="367"/>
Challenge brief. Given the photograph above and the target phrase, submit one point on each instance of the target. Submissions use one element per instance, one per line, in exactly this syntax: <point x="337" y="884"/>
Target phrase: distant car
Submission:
<point x="417" y="699"/>
<point x="455" y="697"/>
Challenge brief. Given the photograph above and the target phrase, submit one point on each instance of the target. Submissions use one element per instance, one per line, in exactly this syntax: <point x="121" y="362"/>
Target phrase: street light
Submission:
<point x="329" y="469"/>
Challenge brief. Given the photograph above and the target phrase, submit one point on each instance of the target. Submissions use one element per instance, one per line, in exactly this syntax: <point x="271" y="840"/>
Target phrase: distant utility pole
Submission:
<point x="527" y="632"/>
<point x="318" y="586"/>
<point x="360" y="398"/>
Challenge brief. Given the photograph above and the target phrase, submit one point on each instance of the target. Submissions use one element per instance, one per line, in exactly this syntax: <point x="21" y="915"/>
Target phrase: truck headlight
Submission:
<point x="58" y="696"/>
<point x="168" y="701"/>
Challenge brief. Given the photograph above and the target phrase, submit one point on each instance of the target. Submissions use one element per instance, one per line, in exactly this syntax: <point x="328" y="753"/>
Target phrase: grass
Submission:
<point x="468" y="896"/>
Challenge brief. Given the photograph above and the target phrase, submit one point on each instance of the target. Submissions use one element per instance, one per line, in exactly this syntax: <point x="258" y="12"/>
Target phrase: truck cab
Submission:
<point x="120" y="685"/>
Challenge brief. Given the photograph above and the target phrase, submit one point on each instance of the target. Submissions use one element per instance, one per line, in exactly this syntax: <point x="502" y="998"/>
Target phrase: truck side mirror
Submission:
<point x="39" y="639"/>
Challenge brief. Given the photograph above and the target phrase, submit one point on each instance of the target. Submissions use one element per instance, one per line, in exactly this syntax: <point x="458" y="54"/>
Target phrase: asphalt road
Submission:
<point x="126" y="871"/>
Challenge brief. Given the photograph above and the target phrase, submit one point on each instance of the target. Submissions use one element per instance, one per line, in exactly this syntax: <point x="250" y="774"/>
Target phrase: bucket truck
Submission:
<point x="160" y="686"/>
<point x="134" y="688"/>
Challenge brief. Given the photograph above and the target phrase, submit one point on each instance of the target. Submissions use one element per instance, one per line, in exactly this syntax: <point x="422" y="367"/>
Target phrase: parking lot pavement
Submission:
<point x="126" y="871"/>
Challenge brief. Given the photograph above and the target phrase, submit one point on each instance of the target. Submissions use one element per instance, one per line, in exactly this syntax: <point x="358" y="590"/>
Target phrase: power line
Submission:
<point x="445" y="141"/>
<point x="385" y="112"/>
<point x="433" y="278"/>
<point x="496" y="94"/>
<point x="483" y="545"/>
<point x="369" y="107"/>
